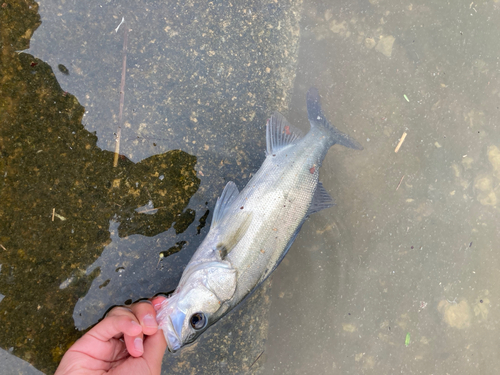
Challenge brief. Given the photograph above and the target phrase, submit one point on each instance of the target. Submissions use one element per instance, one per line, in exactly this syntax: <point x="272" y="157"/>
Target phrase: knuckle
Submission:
<point x="119" y="310"/>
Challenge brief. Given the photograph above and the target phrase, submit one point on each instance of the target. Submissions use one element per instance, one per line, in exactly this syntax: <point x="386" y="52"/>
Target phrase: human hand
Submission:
<point x="117" y="344"/>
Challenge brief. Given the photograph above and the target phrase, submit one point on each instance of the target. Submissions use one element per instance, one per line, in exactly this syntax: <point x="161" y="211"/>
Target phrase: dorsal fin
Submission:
<point x="233" y="233"/>
<point x="227" y="197"/>
<point x="280" y="133"/>
<point x="321" y="200"/>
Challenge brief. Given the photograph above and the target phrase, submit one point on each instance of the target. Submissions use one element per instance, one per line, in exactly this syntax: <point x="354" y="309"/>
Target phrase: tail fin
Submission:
<point x="318" y="119"/>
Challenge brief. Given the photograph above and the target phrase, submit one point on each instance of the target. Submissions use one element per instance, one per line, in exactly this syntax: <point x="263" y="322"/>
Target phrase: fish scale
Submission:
<point x="277" y="214"/>
<point x="252" y="230"/>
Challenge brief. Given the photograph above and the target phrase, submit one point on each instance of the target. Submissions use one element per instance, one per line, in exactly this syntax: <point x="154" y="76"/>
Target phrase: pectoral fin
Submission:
<point x="237" y="227"/>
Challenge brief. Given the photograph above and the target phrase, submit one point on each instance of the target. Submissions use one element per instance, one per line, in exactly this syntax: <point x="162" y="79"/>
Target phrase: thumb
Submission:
<point x="154" y="348"/>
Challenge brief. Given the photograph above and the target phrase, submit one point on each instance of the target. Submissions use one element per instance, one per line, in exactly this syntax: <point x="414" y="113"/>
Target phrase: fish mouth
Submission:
<point x="172" y="329"/>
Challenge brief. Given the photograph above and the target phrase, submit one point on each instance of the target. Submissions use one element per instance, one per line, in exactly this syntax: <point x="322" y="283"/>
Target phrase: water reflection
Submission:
<point x="213" y="69"/>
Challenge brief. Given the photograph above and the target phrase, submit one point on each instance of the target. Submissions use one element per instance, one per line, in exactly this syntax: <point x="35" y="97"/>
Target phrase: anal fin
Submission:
<point x="321" y="200"/>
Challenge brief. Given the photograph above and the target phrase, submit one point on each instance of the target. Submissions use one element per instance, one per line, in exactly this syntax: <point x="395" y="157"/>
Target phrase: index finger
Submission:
<point x="120" y="320"/>
<point x="101" y="341"/>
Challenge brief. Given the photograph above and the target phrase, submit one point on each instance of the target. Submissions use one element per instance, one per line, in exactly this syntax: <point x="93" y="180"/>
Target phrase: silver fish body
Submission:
<point x="253" y="229"/>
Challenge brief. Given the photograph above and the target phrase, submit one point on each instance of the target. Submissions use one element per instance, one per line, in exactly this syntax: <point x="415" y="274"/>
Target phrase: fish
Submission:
<point x="252" y="230"/>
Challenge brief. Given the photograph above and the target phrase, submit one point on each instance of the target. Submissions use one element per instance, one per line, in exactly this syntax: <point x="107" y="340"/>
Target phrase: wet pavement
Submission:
<point x="398" y="277"/>
<point x="79" y="234"/>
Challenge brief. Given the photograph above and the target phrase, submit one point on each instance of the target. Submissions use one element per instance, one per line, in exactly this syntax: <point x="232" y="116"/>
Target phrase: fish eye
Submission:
<point x="198" y="321"/>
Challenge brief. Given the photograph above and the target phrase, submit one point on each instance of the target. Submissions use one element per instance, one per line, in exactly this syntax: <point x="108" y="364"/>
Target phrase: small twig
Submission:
<point x="3" y="247"/>
<point x="400" y="182"/>
<point x="122" y="97"/>
<point x="123" y="20"/>
<point x="256" y="359"/>
<point x="400" y="142"/>
<point x="159" y="259"/>
<point x="151" y="209"/>
<point x="53" y="213"/>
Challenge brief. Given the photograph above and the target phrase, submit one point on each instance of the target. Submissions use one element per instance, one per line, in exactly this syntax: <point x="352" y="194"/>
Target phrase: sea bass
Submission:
<point x="252" y="230"/>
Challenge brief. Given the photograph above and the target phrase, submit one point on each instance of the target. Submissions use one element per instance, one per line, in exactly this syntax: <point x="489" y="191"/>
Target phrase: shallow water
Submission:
<point x="410" y="248"/>
<point x="398" y="277"/>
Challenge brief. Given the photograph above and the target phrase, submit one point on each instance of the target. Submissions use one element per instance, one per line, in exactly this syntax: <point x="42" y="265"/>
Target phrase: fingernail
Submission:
<point x="138" y="344"/>
<point x="157" y="306"/>
<point x="150" y="321"/>
<point x="134" y="323"/>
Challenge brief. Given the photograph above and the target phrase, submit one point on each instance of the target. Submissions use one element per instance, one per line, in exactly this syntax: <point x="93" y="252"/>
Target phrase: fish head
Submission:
<point x="197" y="303"/>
